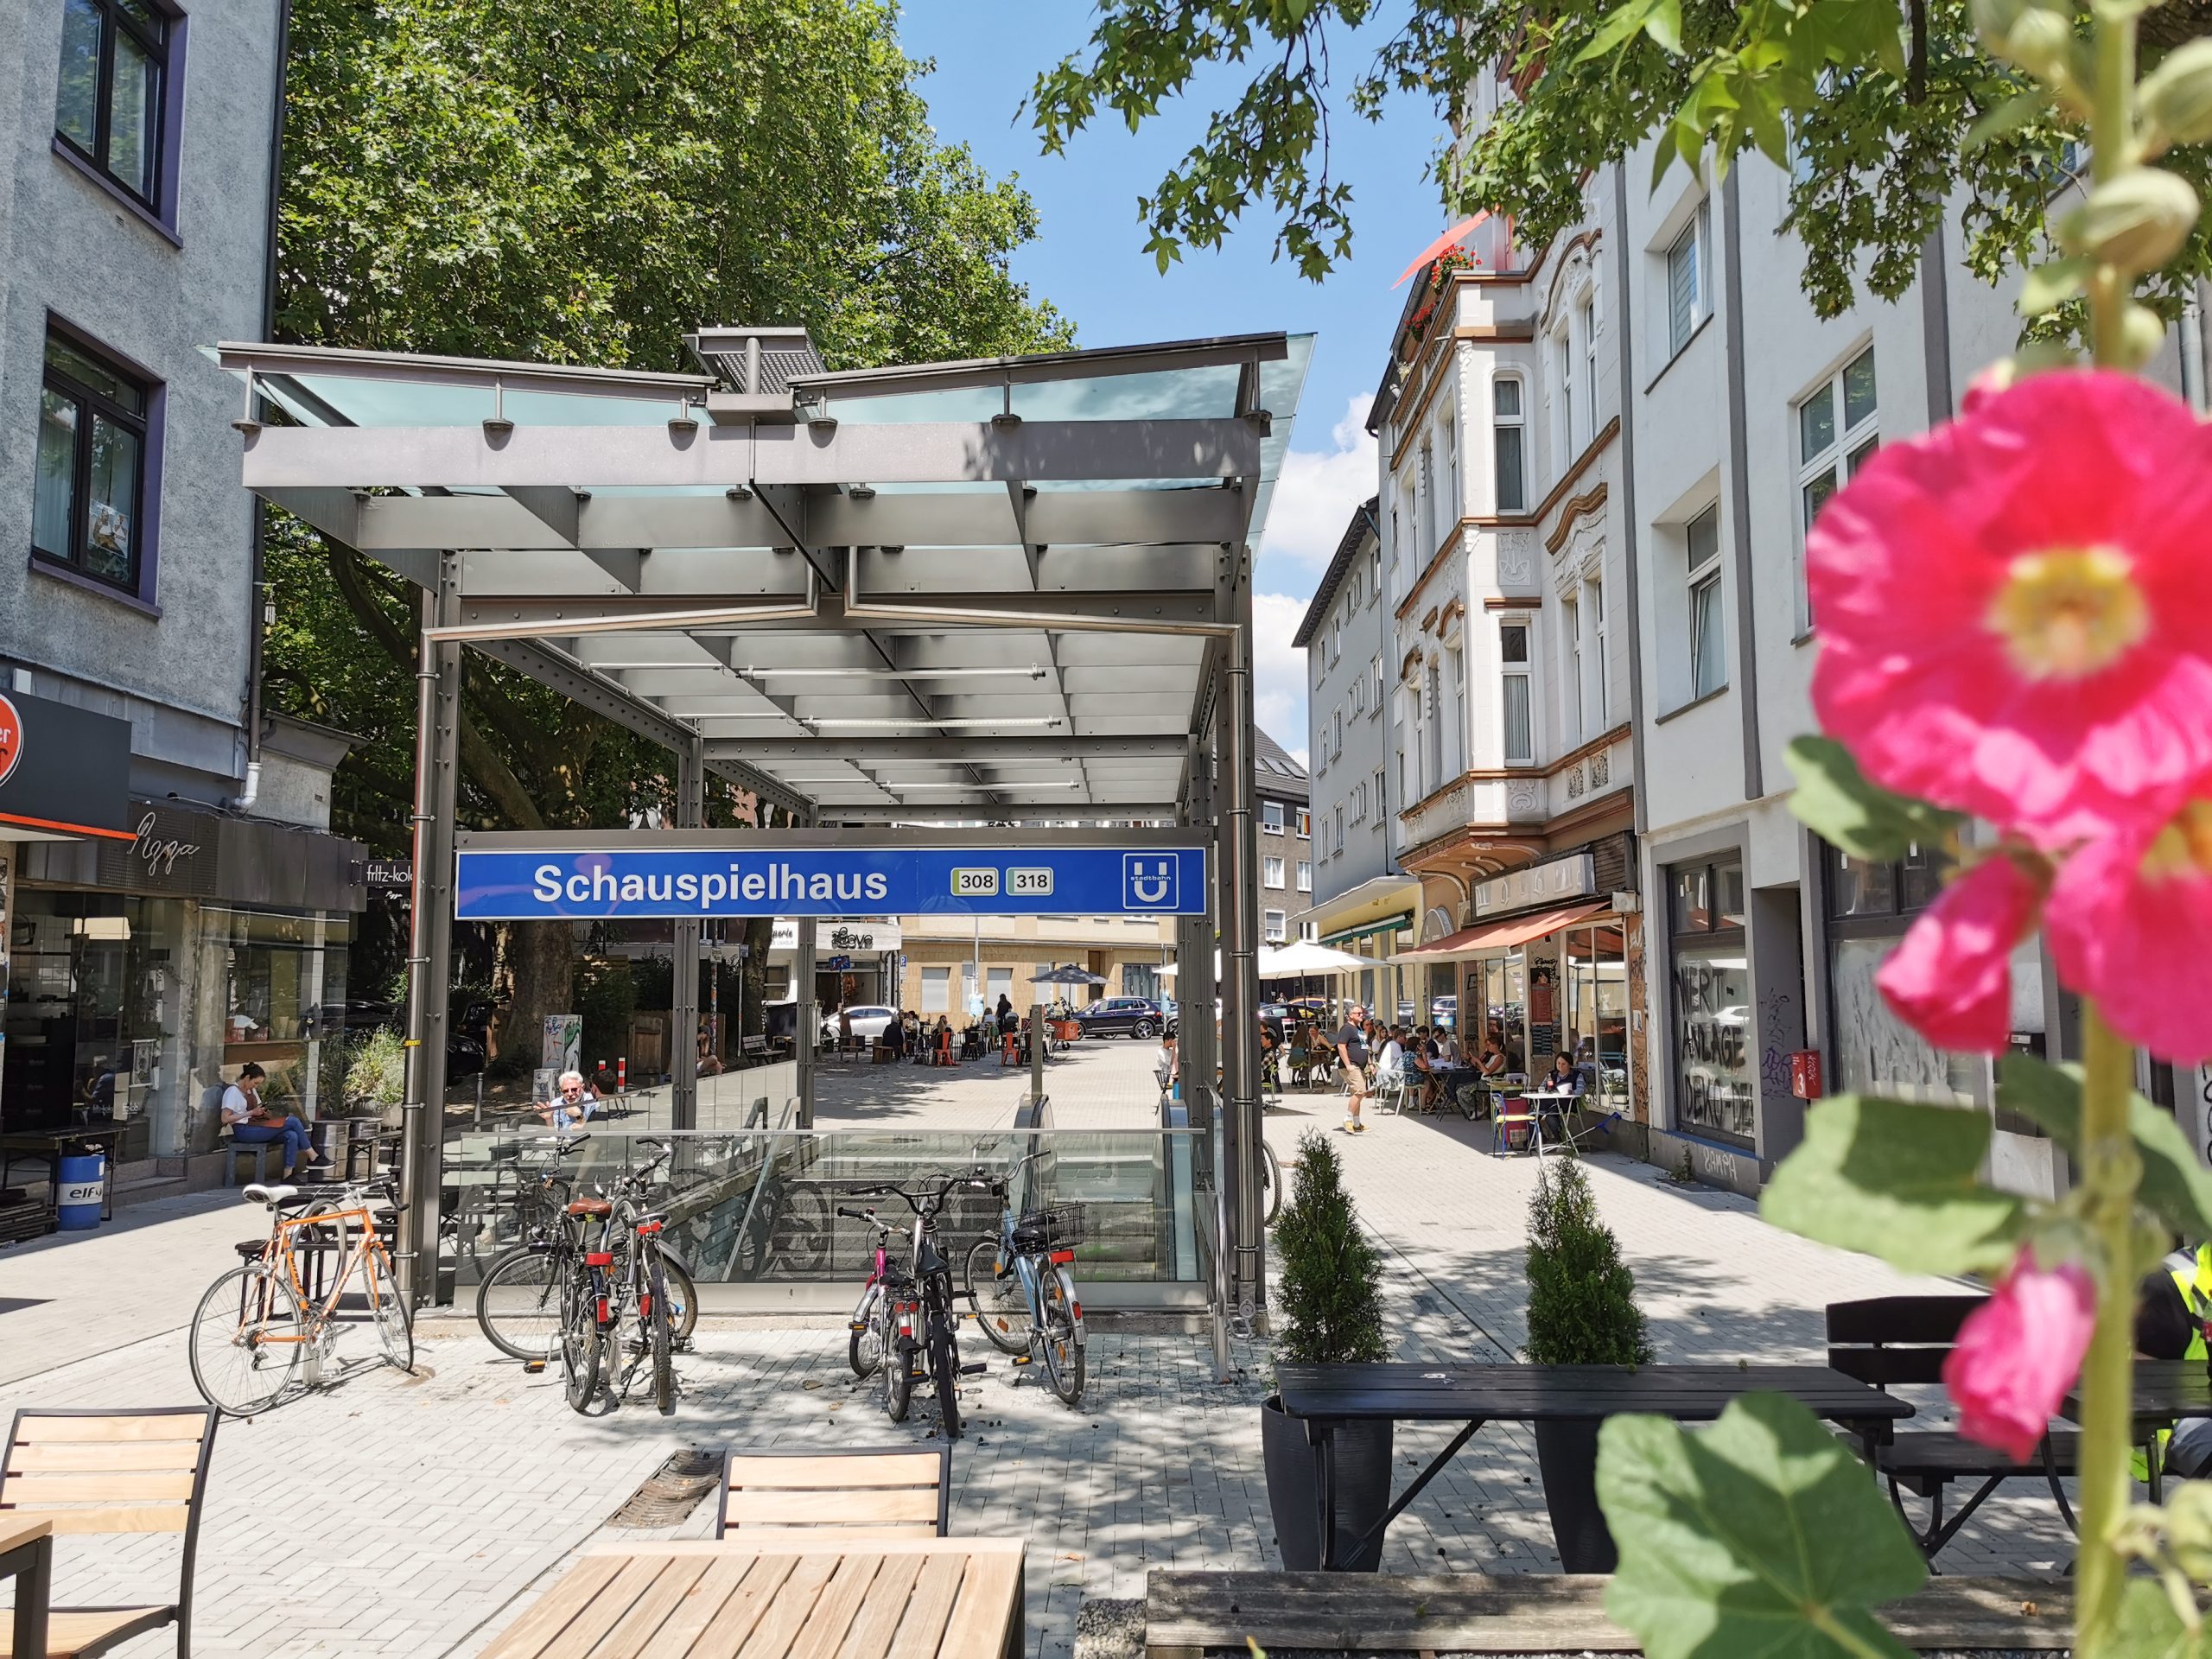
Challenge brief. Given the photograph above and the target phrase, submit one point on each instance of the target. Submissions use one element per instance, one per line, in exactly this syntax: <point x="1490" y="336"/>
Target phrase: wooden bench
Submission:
<point x="837" y="1493"/>
<point x="266" y="1156"/>
<point x="1188" y="1613"/>
<point x="111" y="1471"/>
<point x="1892" y="1341"/>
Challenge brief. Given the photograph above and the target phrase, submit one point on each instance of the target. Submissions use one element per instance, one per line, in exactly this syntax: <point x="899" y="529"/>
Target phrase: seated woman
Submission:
<point x="251" y="1122"/>
<point x="1564" y="1076"/>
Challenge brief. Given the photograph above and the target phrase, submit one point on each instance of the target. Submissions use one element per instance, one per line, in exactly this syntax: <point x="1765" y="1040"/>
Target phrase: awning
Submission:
<point x="1398" y="922"/>
<point x="1471" y="942"/>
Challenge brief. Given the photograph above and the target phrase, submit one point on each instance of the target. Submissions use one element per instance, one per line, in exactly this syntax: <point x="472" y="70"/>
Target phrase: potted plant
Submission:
<point x="1582" y="1311"/>
<point x="1329" y="1311"/>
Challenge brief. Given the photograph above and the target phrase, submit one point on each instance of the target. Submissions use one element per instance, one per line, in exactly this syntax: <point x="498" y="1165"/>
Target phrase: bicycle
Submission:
<point x="932" y="1274"/>
<point x="864" y="1350"/>
<point x="1021" y="1274"/>
<point x="257" y="1323"/>
<point x="596" y="1299"/>
<point x="518" y="1302"/>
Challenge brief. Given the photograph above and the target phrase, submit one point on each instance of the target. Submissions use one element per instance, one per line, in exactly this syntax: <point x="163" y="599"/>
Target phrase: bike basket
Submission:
<point x="1054" y="1227"/>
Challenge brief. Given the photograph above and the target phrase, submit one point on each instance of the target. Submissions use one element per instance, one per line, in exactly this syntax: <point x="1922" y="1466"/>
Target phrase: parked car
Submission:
<point x="869" y="1022"/>
<point x="1123" y="1016"/>
<point x="1272" y="1015"/>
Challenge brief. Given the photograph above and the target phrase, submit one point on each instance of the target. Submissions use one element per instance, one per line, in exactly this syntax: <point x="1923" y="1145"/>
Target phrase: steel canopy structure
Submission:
<point x="1008" y="590"/>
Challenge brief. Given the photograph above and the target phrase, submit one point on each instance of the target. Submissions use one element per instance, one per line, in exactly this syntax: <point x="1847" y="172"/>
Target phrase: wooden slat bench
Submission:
<point x="835" y="1493"/>
<point x="1188" y="1613"/>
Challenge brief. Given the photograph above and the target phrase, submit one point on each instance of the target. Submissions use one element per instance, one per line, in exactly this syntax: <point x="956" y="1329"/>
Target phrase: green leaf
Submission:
<point x="1762" y="1533"/>
<point x="1835" y="800"/>
<point x="1896" y="1181"/>
<point x="2150" y="1627"/>
<point x="1622" y="24"/>
<point x="2007" y="117"/>
<point x="2176" y="1187"/>
<point x="1664" y="26"/>
<point x="2051" y="284"/>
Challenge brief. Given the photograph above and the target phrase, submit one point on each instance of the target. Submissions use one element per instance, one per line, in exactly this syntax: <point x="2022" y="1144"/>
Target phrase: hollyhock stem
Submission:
<point x="2110" y="1172"/>
<point x="2112" y="152"/>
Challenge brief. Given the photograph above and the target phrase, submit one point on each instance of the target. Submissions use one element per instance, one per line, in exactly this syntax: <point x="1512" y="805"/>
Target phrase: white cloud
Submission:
<point x="1314" y="500"/>
<point x="1279" y="679"/>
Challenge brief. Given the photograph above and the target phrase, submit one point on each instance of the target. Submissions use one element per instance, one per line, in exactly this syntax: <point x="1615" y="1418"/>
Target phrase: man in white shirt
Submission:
<point x="251" y="1123"/>
<point x="570" y="1106"/>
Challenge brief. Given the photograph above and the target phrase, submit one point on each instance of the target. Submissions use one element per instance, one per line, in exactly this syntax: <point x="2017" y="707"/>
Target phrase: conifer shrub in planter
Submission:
<point x="1582" y="1311"/>
<point x="1328" y="1310"/>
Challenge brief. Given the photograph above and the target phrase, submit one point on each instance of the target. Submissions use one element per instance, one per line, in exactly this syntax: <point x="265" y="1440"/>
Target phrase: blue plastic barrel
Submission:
<point x="77" y="1185"/>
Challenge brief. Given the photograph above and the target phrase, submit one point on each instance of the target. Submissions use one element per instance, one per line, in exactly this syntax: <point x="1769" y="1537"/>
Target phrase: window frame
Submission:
<point x="1517" y="425"/>
<point x="1274" y="926"/>
<point x="1304" y="875"/>
<point x="1594" y="607"/>
<point x="1698" y="578"/>
<point x="1523" y="670"/>
<point x="1682" y="323"/>
<point x="1272" y="873"/>
<point x="1571" y="630"/>
<point x="1271" y="816"/>
<point x="144" y="426"/>
<point x="1848" y="450"/>
<point x="1306" y="823"/>
<point x="98" y="159"/>
<point x="1715" y="931"/>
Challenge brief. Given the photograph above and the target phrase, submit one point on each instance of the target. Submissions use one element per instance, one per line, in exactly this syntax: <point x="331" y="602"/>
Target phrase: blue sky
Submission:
<point x="1089" y="260"/>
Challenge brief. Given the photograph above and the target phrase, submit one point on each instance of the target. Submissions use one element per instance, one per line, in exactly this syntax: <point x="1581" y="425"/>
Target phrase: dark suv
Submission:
<point x="1122" y="1016"/>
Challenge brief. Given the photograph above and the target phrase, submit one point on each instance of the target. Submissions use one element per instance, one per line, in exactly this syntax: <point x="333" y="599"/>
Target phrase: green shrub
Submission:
<point x="376" y="1068"/>
<point x="1327" y="1272"/>
<point x="1582" y="1306"/>
<point x="606" y="995"/>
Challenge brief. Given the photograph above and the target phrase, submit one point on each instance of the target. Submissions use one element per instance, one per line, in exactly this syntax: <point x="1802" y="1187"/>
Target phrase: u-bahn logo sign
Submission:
<point x="501" y="885"/>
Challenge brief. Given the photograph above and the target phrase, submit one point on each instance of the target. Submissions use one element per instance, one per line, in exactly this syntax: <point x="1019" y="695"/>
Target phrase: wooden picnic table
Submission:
<point x="26" y="1556"/>
<point x="1326" y="1397"/>
<point x="2167" y="1391"/>
<point x="852" y="1596"/>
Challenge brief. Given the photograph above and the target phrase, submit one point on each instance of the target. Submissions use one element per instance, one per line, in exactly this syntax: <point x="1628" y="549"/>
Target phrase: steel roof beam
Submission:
<point x="764" y="752"/>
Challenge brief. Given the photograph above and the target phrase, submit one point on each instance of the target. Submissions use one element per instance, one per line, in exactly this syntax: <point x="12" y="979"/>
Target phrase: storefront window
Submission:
<point x="1596" y="1011"/>
<point x="1870" y="906"/>
<point x="1716" y="1085"/>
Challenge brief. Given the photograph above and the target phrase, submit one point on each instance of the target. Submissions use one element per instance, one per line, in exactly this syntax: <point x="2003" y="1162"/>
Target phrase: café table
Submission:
<point x="26" y="1556"/>
<point x="850" y="1595"/>
<point x="1326" y="1397"/>
<point x="2167" y="1391"/>
<point x="1555" y="1104"/>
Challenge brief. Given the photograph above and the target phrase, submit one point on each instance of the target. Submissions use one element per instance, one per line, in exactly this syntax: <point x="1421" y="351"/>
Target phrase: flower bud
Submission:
<point x="2177" y="96"/>
<point x="2041" y="42"/>
<point x="1993" y="20"/>
<point x="2136" y="222"/>
<point x="2142" y="332"/>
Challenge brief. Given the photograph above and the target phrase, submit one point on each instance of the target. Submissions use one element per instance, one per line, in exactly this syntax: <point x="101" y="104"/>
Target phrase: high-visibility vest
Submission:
<point x="2192" y="1276"/>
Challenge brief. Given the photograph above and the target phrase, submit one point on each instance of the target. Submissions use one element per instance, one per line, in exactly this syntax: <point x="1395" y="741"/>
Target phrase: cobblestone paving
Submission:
<point x="419" y="1515"/>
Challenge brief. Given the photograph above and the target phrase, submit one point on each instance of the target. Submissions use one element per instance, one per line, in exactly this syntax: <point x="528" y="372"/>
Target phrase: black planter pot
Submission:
<point x="1363" y="1488"/>
<point x="1567" y="1454"/>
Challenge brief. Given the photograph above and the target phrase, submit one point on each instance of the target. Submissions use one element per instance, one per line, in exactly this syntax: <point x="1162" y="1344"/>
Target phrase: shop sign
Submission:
<point x="1712" y="1036"/>
<point x="63" y="768"/>
<point x="1574" y="876"/>
<point x="497" y="885"/>
<point x="390" y="872"/>
<point x="837" y="938"/>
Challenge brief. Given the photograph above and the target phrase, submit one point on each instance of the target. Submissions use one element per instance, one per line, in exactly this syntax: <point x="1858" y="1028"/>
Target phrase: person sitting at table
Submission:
<point x="711" y="1064"/>
<point x="1491" y="1064"/>
<point x="251" y="1122"/>
<point x="1428" y="1062"/>
<point x="1565" y="1077"/>
<point x="571" y="1105"/>
<point x="1390" y="1061"/>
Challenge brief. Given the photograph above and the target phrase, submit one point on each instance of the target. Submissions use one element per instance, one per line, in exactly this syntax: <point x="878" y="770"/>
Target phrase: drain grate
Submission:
<point x="671" y="1492"/>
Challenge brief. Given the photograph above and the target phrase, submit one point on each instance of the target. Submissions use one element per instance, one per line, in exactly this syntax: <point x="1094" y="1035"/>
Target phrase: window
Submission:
<point x="1685" y="285"/>
<point x="1426" y="516"/>
<point x="1708" y="648"/>
<point x="1452" y="507"/>
<point x="1513" y="651"/>
<point x="1380" y="696"/>
<point x="114" y="75"/>
<point x="1277" y="925"/>
<point x="1338" y="840"/>
<point x="1870" y="904"/>
<point x="1715" y="1075"/>
<point x="1570" y="627"/>
<point x="1337" y="734"/>
<point x="936" y="990"/>
<point x="1271" y="816"/>
<point x="91" y="485"/>
<point x="1563" y="373"/>
<point x="1308" y="931"/>
<point x="1304" y="876"/>
<point x="1375" y="575"/>
<point x="1587" y="323"/>
<point x="1306" y="823"/>
<point x="1830" y="451"/>
<point x="1505" y="441"/>
<point x="1335" y="636"/>
<point x="1593" y="605"/>
<point x="1359" y="802"/>
<point x="1382" y="796"/>
<point x="1271" y="872"/>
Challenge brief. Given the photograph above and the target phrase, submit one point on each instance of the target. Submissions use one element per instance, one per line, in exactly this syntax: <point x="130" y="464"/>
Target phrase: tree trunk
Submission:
<point x="540" y="962"/>
<point x="757" y="931"/>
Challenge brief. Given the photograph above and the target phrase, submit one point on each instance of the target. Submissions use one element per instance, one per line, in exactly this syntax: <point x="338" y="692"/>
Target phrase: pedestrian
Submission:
<point x="255" y="1124"/>
<point x="1350" y="1044"/>
<point x="1007" y="1021"/>
<point x="572" y="1103"/>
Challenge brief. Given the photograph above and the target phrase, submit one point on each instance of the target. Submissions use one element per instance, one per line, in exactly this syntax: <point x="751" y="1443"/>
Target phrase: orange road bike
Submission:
<point x="285" y="1310"/>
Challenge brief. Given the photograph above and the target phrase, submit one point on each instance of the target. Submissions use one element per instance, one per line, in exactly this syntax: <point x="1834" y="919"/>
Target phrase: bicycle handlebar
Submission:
<point x="935" y="1200"/>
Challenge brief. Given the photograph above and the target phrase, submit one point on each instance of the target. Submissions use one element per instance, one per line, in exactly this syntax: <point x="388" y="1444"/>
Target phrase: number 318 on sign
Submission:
<point x="1035" y="883"/>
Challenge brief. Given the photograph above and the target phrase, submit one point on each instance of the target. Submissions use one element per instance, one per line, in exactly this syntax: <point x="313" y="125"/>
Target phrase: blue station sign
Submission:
<point x="550" y="883"/>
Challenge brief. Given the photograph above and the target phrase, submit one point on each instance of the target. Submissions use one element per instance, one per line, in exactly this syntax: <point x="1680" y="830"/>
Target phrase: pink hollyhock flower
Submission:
<point x="2018" y="1353"/>
<point x="1951" y="977"/>
<point x="2130" y="925"/>
<point x="2015" y="612"/>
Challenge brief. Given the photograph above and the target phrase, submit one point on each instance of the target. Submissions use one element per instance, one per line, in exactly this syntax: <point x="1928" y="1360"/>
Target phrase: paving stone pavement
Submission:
<point x="420" y="1515"/>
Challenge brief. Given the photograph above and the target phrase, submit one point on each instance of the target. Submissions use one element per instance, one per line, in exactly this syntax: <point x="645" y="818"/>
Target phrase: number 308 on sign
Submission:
<point x="974" y="884"/>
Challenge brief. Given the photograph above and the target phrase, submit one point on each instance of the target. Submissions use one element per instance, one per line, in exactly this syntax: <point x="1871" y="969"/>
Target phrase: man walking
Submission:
<point x="1350" y="1042"/>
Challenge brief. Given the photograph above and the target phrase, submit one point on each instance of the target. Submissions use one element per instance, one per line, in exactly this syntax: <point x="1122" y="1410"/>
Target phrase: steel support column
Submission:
<point x="684" y="1019"/>
<point x="809" y="1023"/>
<point x="1036" y="1053"/>
<point x="1240" y="989"/>
<point x="436" y="761"/>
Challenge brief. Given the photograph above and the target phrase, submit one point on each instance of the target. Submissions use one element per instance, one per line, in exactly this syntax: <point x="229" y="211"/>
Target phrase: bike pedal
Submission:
<point x="1023" y="1359"/>
<point x="976" y="1370"/>
<point x="856" y="1325"/>
<point x="533" y="1367"/>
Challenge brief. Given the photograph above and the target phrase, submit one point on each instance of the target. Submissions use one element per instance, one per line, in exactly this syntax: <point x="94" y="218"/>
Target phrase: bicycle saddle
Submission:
<point x="592" y="1207"/>
<point x="281" y="1192"/>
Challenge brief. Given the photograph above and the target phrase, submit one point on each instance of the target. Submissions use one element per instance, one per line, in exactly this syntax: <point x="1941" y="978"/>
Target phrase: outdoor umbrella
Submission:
<point x="1068" y="975"/>
<point x="1296" y="960"/>
<point x="1451" y="239"/>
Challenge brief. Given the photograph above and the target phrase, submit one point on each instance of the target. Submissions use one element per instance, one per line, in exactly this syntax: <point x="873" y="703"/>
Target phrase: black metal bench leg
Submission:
<point x="2058" y="1491"/>
<point x="1359" y="1549"/>
<point x="1943" y="1535"/>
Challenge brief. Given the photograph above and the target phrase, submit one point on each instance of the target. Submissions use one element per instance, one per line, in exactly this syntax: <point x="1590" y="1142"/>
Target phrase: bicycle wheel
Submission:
<point x="898" y="1366"/>
<point x="657" y="1334"/>
<point x="518" y="1304"/>
<point x="580" y="1341"/>
<point x="682" y="1302"/>
<point x="395" y="1322"/>
<point x="1000" y="1308"/>
<point x="1270" y="1184"/>
<point x="246" y="1338"/>
<point x="864" y="1348"/>
<point x="800" y="1239"/>
<point x="944" y="1363"/>
<point x="1063" y="1349"/>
